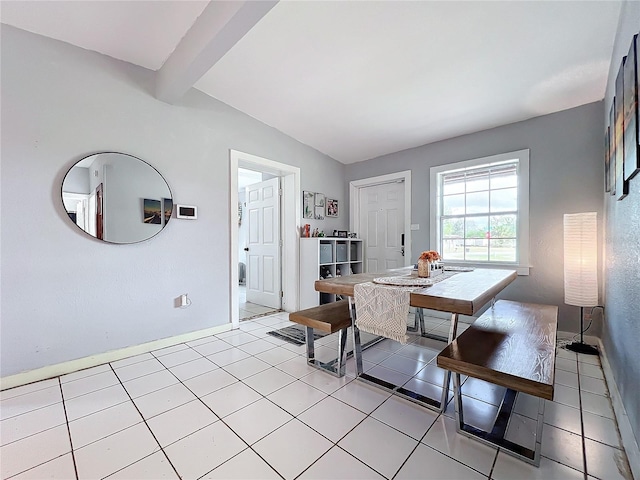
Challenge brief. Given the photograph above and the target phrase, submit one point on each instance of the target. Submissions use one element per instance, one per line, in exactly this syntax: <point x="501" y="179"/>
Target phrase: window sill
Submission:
<point x="521" y="270"/>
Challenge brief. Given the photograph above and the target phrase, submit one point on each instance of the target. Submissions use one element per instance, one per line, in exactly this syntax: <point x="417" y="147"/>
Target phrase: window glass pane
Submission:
<point x="453" y="249"/>
<point x="453" y="184"/>
<point x="476" y="250"/>
<point x="503" y="226"/>
<point x="453" y="204"/>
<point x="453" y="228"/>
<point x="477" y="227"/>
<point x="504" y="177"/>
<point x="505" y="200"/>
<point x="478" y="202"/>
<point x="502" y="250"/>
<point x="477" y="181"/>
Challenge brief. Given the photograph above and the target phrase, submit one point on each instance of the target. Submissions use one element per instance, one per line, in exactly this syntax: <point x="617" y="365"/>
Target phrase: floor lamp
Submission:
<point x="581" y="269"/>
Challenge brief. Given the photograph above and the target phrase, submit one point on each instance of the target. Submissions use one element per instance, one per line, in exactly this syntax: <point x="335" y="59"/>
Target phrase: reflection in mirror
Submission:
<point x="117" y="198"/>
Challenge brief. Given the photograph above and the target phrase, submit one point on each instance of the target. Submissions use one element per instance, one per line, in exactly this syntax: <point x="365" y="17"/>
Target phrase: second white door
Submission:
<point x="263" y="254"/>
<point x="381" y="224"/>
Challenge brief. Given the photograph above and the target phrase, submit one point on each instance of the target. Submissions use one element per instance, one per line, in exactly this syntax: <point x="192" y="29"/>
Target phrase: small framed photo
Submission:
<point x="320" y="200"/>
<point x="332" y="207"/>
<point x="342" y="233"/>
<point x="308" y="204"/>
<point x="152" y="211"/>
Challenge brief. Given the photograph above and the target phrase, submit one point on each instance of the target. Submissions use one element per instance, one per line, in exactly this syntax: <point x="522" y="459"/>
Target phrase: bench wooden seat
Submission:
<point x="513" y="345"/>
<point x="328" y="318"/>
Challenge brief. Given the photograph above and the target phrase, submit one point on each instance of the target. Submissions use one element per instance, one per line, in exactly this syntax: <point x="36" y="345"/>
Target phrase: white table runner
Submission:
<point x="383" y="309"/>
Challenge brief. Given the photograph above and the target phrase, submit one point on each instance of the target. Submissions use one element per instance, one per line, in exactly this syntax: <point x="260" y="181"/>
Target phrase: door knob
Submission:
<point x="246" y="249"/>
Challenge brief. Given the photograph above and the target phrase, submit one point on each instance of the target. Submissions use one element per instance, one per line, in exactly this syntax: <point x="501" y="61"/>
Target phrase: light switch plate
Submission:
<point x="415" y="226"/>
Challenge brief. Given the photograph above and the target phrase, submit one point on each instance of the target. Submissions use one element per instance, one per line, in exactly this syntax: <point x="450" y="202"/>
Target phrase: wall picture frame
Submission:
<point x="612" y="148"/>
<point x="332" y="208"/>
<point x="630" y="113"/>
<point x="622" y="187"/>
<point x="320" y="200"/>
<point x="308" y="204"/>
<point x="319" y="212"/>
<point x="607" y="160"/>
<point x="152" y="211"/>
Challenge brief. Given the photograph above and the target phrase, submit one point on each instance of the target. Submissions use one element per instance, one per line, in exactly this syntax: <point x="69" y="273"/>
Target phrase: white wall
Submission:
<point x="66" y="296"/>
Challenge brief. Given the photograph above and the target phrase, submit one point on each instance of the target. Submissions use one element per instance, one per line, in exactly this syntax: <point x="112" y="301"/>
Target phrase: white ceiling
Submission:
<point x="360" y="79"/>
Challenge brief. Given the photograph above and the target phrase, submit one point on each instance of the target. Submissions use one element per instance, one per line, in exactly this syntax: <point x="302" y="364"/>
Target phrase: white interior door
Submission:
<point x="263" y="255"/>
<point x="382" y="221"/>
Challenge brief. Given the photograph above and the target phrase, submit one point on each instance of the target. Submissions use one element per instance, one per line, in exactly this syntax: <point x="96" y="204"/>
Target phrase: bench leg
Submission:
<point x="357" y="346"/>
<point x="496" y="436"/>
<point x="336" y="367"/>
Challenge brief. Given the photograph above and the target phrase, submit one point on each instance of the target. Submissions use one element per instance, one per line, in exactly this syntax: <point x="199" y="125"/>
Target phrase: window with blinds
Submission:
<point x="478" y="214"/>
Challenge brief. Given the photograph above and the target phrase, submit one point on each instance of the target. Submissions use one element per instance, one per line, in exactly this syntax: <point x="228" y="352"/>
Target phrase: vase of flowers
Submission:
<point x="424" y="263"/>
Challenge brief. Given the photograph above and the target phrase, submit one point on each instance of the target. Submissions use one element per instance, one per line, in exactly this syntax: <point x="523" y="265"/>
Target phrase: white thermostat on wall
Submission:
<point x="186" y="211"/>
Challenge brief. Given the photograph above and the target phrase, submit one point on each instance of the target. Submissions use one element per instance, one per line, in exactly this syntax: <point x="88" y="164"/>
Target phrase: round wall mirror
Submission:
<point x="117" y="198"/>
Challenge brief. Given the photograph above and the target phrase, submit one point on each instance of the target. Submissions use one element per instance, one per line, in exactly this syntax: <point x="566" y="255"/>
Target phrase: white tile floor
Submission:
<point x="251" y="310"/>
<point x="243" y="404"/>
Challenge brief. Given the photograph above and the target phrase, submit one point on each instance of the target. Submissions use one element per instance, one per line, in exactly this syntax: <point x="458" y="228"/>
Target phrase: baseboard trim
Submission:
<point x="624" y="425"/>
<point x="71" y="366"/>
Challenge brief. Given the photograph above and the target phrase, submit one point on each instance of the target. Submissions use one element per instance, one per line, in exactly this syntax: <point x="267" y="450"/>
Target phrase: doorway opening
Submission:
<point x="282" y="233"/>
<point x="259" y="272"/>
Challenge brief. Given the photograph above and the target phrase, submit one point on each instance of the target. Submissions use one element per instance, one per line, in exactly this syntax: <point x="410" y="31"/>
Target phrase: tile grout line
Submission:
<point x="219" y="419"/>
<point x="584" y="447"/>
<point x="148" y="427"/>
<point x="64" y="408"/>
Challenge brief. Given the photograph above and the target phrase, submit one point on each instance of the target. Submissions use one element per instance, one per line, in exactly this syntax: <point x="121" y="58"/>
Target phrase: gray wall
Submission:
<point x="621" y="328"/>
<point x="67" y="296"/>
<point x="565" y="176"/>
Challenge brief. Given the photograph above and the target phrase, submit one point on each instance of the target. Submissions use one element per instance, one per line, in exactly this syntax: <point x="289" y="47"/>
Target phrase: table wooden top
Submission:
<point x="464" y="293"/>
<point x="512" y="344"/>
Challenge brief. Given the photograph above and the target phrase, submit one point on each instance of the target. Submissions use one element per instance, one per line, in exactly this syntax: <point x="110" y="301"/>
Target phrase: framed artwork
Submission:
<point x="630" y="109"/>
<point x="612" y="148"/>
<point x="332" y="207"/>
<point x="622" y="187"/>
<point x="308" y="204"/>
<point x="319" y="212"/>
<point x="320" y="200"/>
<point x="607" y="159"/>
<point x="152" y="211"/>
<point x="167" y="208"/>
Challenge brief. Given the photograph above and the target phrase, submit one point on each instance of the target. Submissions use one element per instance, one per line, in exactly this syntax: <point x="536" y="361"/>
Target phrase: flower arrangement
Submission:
<point x="430" y="256"/>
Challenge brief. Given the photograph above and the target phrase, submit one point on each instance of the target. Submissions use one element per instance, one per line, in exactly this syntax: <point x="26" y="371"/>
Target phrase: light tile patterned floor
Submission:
<point x="243" y="404"/>
<point x="249" y="310"/>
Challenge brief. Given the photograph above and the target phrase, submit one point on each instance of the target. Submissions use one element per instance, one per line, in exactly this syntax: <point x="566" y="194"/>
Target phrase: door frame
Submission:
<point x="290" y="214"/>
<point x="354" y="204"/>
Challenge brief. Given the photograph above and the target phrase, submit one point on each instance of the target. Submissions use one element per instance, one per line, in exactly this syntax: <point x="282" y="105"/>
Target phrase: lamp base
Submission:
<point x="580" y="347"/>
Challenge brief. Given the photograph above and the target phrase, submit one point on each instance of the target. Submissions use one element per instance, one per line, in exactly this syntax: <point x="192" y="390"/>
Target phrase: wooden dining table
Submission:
<point x="464" y="293"/>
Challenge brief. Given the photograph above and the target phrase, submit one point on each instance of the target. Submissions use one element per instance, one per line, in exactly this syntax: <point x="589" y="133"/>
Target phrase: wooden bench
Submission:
<point x="512" y="345"/>
<point x="328" y="318"/>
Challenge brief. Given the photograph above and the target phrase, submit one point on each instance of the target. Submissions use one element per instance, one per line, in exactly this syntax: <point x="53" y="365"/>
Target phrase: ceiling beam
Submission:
<point x="218" y="28"/>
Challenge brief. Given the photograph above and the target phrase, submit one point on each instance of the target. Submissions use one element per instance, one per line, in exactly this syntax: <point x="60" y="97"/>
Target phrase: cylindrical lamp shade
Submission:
<point x="581" y="259"/>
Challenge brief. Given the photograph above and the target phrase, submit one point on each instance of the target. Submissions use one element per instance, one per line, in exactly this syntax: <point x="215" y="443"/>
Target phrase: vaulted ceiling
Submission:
<point x="353" y="79"/>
